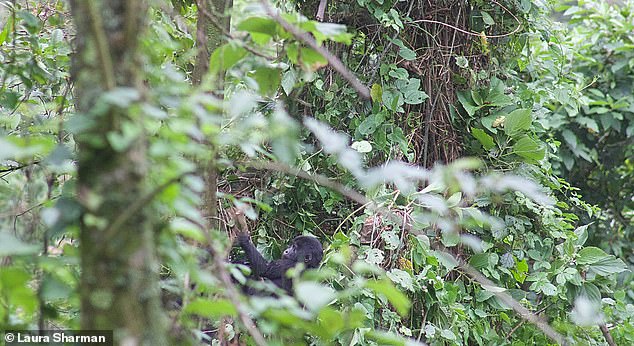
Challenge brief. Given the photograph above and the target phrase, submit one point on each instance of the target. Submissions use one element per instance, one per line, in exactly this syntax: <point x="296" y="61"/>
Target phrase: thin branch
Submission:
<point x="316" y="178"/>
<point x="465" y="267"/>
<point x="607" y="335"/>
<point x="310" y="41"/>
<point x="214" y="21"/>
<point x="478" y="34"/>
<point x="103" y="49"/>
<point x="524" y="321"/>
<point x="321" y="10"/>
<point x="232" y="292"/>
<point x="17" y="168"/>
<point x="234" y="297"/>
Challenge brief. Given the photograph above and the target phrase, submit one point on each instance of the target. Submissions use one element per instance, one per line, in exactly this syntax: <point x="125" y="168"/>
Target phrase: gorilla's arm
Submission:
<point x="259" y="266"/>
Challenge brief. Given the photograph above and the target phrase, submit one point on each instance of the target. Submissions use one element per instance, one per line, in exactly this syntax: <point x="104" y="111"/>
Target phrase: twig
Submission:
<point x="321" y="10"/>
<point x="234" y="297"/>
<point x="213" y="20"/>
<point x="317" y="178"/>
<point x="17" y="168"/>
<point x="524" y="321"/>
<point x="607" y="335"/>
<point x="478" y="34"/>
<point x="101" y="40"/>
<point x="468" y="269"/>
<point x="310" y="41"/>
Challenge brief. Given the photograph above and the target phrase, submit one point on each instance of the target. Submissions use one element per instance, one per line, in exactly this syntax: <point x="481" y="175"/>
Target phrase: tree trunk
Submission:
<point x="213" y="21"/>
<point x="119" y="287"/>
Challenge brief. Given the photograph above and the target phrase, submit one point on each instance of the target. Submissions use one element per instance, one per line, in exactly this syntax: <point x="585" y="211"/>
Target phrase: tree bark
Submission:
<point x="119" y="287"/>
<point x="209" y="36"/>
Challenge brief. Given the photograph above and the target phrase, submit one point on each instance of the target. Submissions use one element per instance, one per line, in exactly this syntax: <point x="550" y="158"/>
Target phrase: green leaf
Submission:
<point x="529" y="149"/>
<point x="332" y="31"/>
<point x="260" y="25"/>
<point x="608" y="265"/>
<point x="582" y="234"/>
<point x="224" y="57"/>
<point x="407" y="53"/>
<point x="6" y="29"/>
<point x="268" y="79"/>
<point x="411" y="91"/>
<point x="308" y="58"/>
<point x="362" y="146"/>
<point x="496" y="96"/>
<point x="487" y="19"/>
<point x="369" y="125"/>
<point x="479" y="260"/>
<point x="484" y="138"/>
<point x="517" y="122"/>
<point x="376" y="93"/>
<point x="590" y="291"/>
<point x="462" y="62"/>
<point x="467" y="103"/>
<point x="448" y="334"/>
<point x="401" y="277"/>
<point x="590" y="255"/>
<point x="549" y="289"/>
<point x="313" y="295"/>
<point x="400" y="301"/>
<point x="215" y="308"/>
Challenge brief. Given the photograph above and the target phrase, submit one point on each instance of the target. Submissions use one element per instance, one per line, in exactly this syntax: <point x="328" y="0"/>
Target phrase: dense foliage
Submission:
<point x="498" y="136"/>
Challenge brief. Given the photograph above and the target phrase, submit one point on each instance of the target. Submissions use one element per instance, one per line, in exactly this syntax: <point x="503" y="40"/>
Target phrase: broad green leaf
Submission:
<point x="332" y="321"/>
<point x="376" y="93"/>
<point x="467" y="103"/>
<point x="370" y="123"/>
<point x="187" y="229"/>
<point x="211" y="308"/>
<point x="224" y="57"/>
<point x="9" y="100"/>
<point x="407" y="53"/>
<point x="401" y="277"/>
<point x="259" y="25"/>
<point x="590" y="255"/>
<point x="582" y="234"/>
<point x="486" y="18"/>
<point x="400" y="301"/>
<point x="590" y="291"/>
<point x="496" y="96"/>
<point x="331" y="31"/>
<point x="374" y="256"/>
<point x="454" y="199"/>
<point x="362" y="146"/>
<point x="549" y="289"/>
<point x="313" y="295"/>
<point x="479" y="260"/>
<point x="268" y="79"/>
<point x="484" y="138"/>
<point x="462" y="62"/>
<point x="308" y="58"/>
<point x="529" y="149"/>
<point x="608" y="265"/>
<point x="477" y="97"/>
<point x="16" y="284"/>
<point x="411" y="91"/>
<point x="8" y="25"/>
<point x="517" y="122"/>
<point x="448" y="334"/>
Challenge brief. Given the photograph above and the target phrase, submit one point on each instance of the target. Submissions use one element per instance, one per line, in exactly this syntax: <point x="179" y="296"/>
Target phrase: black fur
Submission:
<point x="304" y="249"/>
